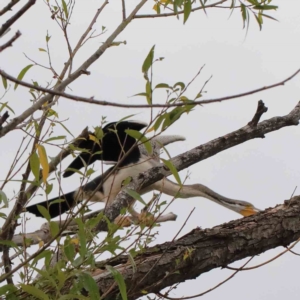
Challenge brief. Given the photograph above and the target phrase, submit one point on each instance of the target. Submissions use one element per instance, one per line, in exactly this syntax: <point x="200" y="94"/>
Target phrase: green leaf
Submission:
<point x="162" y="85"/>
<point x="269" y="17"/>
<point x="187" y="10"/>
<point x="203" y="6"/>
<point x="135" y="195"/>
<point x="55" y="138"/>
<point x="180" y="84"/>
<point x="35" y="165"/>
<point x="158" y="121"/>
<point x="4" y="81"/>
<point x="8" y="243"/>
<point x="22" y="74"/>
<point x="140" y="137"/>
<point x="90" y="285"/>
<point x="65" y="8"/>
<point x="3" y="199"/>
<point x="172" y="168"/>
<point x="149" y="60"/>
<point x="48" y="37"/>
<point x="120" y="281"/>
<point x="140" y="94"/>
<point x="244" y="14"/>
<point x="42" y="50"/>
<point x="69" y="249"/>
<point x="11" y="288"/>
<point x="148" y="92"/>
<point x="62" y="125"/>
<point x="8" y="107"/>
<point x="44" y="212"/>
<point x="82" y="237"/>
<point x="54" y="228"/>
<point x="265" y="7"/>
<point x="30" y="289"/>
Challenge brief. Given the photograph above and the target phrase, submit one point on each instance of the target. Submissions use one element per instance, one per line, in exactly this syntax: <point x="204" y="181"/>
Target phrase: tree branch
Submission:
<point x="91" y="100"/>
<point x="179" y="12"/>
<point x="82" y="69"/>
<point x="10" y="42"/>
<point x="15" y="17"/>
<point x="203" y="250"/>
<point x="8" y="7"/>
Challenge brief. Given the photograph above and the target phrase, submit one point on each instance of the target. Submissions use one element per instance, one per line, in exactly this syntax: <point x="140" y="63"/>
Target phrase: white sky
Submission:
<point x="263" y="171"/>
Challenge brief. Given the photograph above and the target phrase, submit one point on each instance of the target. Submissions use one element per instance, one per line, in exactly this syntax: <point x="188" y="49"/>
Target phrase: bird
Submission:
<point x="110" y="145"/>
<point x="105" y="187"/>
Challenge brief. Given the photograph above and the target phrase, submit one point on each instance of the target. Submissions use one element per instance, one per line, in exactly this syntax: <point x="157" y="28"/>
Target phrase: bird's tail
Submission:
<point x="55" y="206"/>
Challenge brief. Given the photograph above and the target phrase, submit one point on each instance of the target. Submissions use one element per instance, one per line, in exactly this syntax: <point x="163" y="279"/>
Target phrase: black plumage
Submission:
<point x="112" y="147"/>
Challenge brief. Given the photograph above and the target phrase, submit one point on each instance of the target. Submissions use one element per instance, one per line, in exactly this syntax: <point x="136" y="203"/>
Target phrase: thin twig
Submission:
<point x="114" y="104"/>
<point x="123" y="9"/>
<point x="176" y="13"/>
<point x="15" y="17"/>
<point x="10" y="42"/>
<point x="211" y="289"/>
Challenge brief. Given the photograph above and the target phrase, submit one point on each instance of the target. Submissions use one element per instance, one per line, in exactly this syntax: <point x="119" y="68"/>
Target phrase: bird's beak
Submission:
<point x="249" y="211"/>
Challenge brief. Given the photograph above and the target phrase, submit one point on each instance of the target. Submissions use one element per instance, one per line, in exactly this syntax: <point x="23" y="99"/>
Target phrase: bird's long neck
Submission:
<point x="198" y="190"/>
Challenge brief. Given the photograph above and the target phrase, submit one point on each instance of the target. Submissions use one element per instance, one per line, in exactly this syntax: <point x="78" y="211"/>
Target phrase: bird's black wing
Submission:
<point x="112" y="147"/>
<point x="55" y="206"/>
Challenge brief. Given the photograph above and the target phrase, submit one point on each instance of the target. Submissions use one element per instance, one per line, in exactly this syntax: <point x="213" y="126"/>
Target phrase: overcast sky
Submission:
<point x="263" y="171"/>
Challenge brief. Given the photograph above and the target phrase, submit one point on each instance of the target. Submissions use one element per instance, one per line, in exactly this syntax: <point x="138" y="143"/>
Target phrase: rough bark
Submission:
<point x="203" y="250"/>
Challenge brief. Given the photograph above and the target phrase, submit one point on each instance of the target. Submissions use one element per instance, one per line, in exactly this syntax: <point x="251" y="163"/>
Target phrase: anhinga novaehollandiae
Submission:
<point x="137" y="161"/>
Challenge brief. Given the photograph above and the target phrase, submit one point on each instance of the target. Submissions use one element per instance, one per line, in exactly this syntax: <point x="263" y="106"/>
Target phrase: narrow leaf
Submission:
<point x="172" y="168"/>
<point x="65" y="8"/>
<point x="35" y="165"/>
<point x="55" y="138"/>
<point x="120" y="281"/>
<point x="90" y="285"/>
<point x="44" y="212"/>
<point x="162" y="85"/>
<point x="4" y="81"/>
<point x="187" y="10"/>
<point x="148" y="61"/>
<point x="135" y="196"/>
<point x="22" y="74"/>
<point x="43" y="161"/>
<point x="3" y="199"/>
<point x="30" y="289"/>
<point x="139" y="136"/>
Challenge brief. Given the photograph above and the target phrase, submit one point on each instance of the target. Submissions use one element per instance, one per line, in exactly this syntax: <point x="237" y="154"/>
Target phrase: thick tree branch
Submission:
<point x="203" y="250"/>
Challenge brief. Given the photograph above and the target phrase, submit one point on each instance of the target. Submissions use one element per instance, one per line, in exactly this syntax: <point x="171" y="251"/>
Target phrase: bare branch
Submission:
<point x="8" y="7"/>
<point x="261" y="109"/>
<point x="56" y="92"/>
<point x="10" y="42"/>
<point x="3" y="118"/>
<point x="15" y="17"/>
